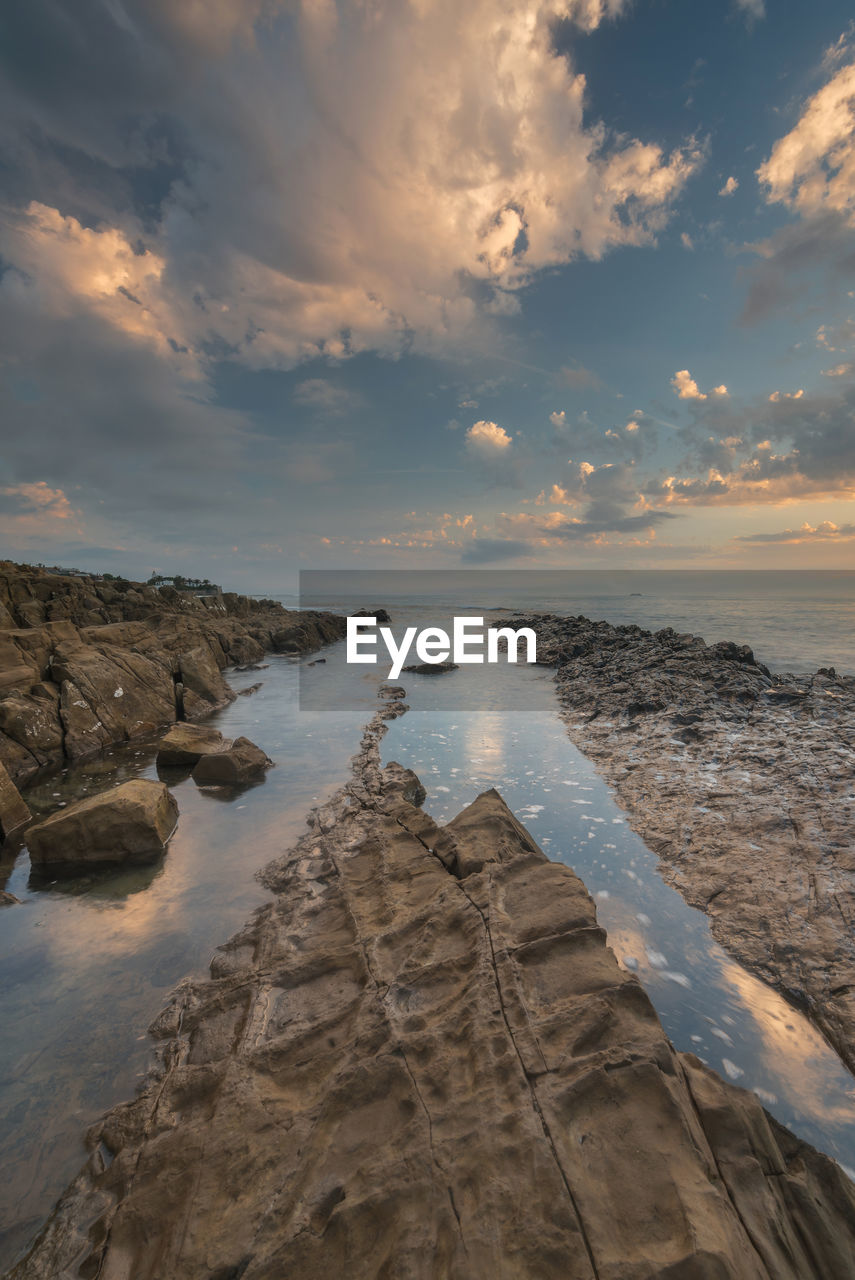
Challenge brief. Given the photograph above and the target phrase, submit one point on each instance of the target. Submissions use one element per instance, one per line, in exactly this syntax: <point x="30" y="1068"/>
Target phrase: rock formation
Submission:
<point x="239" y="764"/>
<point x="422" y="1060"/>
<point x="128" y="823"/>
<point x="14" y="813"/>
<point x="85" y="663"/>
<point x="185" y="744"/>
<point x="741" y="781"/>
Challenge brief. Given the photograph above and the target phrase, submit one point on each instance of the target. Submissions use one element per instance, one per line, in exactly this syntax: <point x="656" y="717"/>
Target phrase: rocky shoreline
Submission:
<point x="743" y="784"/>
<point x="421" y="1060"/>
<point x="86" y="663"/>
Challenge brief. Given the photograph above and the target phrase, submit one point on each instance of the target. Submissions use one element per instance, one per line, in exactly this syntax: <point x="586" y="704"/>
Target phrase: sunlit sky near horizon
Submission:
<point x="355" y="283"/>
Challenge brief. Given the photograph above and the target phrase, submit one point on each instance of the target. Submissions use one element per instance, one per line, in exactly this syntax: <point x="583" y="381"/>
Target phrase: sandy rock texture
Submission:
<point x="422" y="1060"/>
<point x="130" y="823"/>
<point x="743" y="782"/>
<point x="14" y="813"/>
<point x="85" y="663"/>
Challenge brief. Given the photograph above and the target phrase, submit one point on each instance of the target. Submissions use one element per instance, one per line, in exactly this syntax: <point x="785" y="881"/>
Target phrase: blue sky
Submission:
<point x="334" y="283"/>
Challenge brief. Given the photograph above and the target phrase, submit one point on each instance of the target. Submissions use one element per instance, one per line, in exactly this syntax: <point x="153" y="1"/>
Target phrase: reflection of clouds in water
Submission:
<point x="794" y="1052"/>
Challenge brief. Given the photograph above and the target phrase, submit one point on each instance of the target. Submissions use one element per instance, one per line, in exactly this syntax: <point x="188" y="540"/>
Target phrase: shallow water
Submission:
<point x="86" y="965"/>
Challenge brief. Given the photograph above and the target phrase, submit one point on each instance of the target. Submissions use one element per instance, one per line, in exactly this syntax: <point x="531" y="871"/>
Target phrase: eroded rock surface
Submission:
<point x="743" y="782"/>
<point x="129" y="823"/>
<point x="422" y="1060"/>
<point x="14" y="813"/>
<point x="185" y="744"/>
<point x="86" y="662"/>
<point x="241" y="763"/>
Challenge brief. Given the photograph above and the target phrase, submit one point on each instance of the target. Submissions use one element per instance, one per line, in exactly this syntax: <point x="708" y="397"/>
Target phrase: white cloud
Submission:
<point x="730" y="187"/>
<point x="812" y="168"/>
<point x="488" y="441"/>
<point x="687" y="389"/>
<point x="753" y="9"/>
<point x="444" y="152"/>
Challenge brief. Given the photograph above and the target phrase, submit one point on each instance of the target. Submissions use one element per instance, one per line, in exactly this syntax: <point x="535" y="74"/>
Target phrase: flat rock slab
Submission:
<point x="241" y="764"/>
<point x="400" y="1071"/>
<point x="130" y="823"/>
<point x="185" y="744"/>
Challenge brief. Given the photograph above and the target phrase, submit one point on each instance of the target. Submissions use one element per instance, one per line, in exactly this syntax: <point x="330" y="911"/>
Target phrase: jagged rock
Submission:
<point x="400" y="1071"/>
<point x="130" y="823"/>
<point x="164" y="649"/>
<point x="13" y="811"/>
<point x="8" y="899"/>
<point x="241" y="763"/>
<point x="185" y="744"/>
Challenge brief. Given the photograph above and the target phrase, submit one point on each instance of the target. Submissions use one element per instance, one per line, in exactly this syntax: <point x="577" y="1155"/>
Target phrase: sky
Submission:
<point x="415" y="283"/>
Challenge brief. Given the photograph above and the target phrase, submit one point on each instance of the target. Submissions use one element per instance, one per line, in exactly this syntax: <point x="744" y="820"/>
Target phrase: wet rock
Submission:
<point x="164" y="650"/>
<point x="380" y="616"/>
<point x="241" y="763"/>
<point x="8" y="899"/>
<point x="399" y="1070"/>
<point x="13" y="811"/>
<point x="205" y="689"/>
<point x="130" y="823"/>
<point x="185" y="744"/>
<point x="431" y="668"/>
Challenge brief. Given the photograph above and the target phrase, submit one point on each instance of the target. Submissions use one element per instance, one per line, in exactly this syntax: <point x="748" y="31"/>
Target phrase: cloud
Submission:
<point x="687" y="389"/>
<point x="812" y="168"/>
<point x="827" y="531"/>
<point x="730" y="187"/>
<point x="38" y="497"/>
<point x="753" y="9"/>
<point x="324" y="397"/>
<point x="487" y="441"/>
<point x="630" y="439"/>
<point x="787" y="447"/>
<point x="810" y="172"/>
<point x="457" y="132"/>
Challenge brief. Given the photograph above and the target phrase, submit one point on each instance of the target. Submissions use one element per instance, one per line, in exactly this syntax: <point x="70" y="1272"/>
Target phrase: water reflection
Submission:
<point x="88" y="962"/>
<point x="707" y="1003"/>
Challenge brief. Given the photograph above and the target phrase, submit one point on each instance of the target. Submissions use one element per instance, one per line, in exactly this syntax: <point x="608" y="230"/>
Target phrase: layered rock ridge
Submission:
<point x="743" y="783"/>
<point x="86" y="663"/>
<point x="422" y="1060"/>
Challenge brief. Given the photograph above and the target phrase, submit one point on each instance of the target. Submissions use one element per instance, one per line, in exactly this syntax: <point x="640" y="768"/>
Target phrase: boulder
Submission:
<point x="13" y="812"/>
<point x="185" y="744"/>
<point x="130" y="823"/>
<point x="242" y="763"/>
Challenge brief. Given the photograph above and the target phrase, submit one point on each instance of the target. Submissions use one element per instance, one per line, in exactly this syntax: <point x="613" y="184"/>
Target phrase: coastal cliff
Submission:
<point x="86" y="662"/>
<point x="423" y="1060"/>
<point x="741" y="781"/>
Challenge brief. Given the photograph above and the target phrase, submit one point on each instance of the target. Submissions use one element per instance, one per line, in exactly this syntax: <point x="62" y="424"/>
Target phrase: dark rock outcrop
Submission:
<point x="430" y="668"/>
<point x="86" y="663"/>
<point x="14" y="813"/>
<point x="129" y="823"/>
<point x="741" y="781"/>
<point x="238" y="765"/>
<point x="423" y="1060"/>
